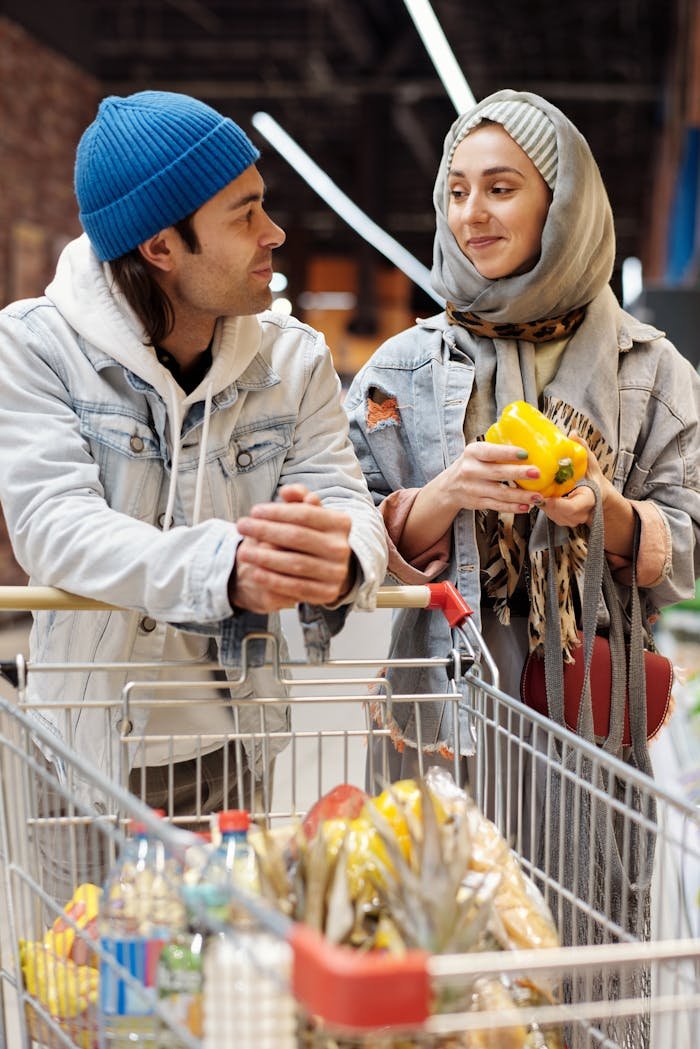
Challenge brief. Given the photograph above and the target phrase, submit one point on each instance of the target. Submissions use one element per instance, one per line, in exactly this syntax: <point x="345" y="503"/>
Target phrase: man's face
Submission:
<point x="229" y="274"/>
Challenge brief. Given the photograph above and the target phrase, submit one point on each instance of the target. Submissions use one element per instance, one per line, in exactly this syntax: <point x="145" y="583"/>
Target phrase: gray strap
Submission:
<point x="635" y="872"/>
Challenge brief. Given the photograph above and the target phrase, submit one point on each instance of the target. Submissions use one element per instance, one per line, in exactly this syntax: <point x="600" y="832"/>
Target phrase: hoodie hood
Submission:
<point x="86" y="296"/>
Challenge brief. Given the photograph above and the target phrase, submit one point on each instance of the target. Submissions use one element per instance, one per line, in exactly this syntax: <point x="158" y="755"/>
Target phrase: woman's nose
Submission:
<point x="475" y="208"/>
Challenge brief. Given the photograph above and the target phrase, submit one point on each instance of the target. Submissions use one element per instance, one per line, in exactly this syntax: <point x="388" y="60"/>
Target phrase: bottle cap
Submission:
<point x="234" y="819"/>
<point x="137" y="827"/>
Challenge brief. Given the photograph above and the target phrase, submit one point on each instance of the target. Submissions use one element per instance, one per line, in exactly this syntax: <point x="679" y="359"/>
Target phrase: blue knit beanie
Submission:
<point x="149" y="160"/>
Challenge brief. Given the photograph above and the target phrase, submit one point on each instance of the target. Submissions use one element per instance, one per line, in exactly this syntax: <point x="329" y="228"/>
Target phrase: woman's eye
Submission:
<point x="501" y="189"/>
<point x="458" y="194"/>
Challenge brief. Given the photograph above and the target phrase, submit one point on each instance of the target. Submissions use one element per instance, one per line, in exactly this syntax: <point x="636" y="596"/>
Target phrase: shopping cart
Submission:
<point x="631" y="980"/>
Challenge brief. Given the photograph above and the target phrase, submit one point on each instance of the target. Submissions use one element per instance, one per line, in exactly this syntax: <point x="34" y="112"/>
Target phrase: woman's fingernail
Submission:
<point x="521" y="453"/>
<point x="532" y="472"/>
<point x="537" y="500"/>
<point x="523" y="507"/>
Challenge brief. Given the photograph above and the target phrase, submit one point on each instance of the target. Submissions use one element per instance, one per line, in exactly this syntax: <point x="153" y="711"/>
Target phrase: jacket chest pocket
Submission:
<point x="253" y="461"/>
<point x="128" y="457"/>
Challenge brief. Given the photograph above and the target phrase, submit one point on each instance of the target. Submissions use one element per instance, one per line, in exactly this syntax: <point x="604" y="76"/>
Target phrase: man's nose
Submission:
<point x="273" y="235"/>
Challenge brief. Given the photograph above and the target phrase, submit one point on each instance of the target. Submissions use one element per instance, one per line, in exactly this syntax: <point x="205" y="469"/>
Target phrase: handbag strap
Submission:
<point x="627" y="658"/>
<point x="629" y="869"/>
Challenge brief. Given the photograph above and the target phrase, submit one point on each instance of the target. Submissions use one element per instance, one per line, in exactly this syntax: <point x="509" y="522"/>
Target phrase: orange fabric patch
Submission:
<point x="381" y="411"/>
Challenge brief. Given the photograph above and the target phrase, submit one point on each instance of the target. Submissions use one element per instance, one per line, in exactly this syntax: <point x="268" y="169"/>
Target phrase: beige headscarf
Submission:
<point x="575" y="265"/>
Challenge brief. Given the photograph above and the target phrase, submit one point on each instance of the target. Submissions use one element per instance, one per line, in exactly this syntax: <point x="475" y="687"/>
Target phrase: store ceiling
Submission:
<point x="350" y="80"/>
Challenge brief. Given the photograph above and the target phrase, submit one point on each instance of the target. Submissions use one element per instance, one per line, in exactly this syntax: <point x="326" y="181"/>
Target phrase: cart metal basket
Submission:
<point x="631" y="974"/>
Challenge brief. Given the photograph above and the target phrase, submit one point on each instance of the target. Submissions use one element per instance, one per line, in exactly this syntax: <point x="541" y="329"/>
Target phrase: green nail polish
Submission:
<point x="522" y="454"/>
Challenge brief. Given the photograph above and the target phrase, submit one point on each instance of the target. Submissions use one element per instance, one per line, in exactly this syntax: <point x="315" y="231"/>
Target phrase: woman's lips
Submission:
<point x="482" y="242"/>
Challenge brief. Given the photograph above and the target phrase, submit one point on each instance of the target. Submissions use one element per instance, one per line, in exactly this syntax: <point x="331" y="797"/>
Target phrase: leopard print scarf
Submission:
<point x="512" y="559"/>
<point x="546" y="330"/>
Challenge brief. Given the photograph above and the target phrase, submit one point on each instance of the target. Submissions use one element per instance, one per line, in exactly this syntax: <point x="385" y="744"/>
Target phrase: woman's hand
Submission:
<point x="474" y="481"/>
<point x="577" y="508"/>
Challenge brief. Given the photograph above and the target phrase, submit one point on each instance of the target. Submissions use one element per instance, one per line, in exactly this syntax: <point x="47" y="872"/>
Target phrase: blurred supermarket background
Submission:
<point x="348" y="89"/>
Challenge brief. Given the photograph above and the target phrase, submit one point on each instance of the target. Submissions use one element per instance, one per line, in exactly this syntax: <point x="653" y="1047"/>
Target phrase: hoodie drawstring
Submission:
<point x="202" y="455"/>
<point x="175" y="419"/>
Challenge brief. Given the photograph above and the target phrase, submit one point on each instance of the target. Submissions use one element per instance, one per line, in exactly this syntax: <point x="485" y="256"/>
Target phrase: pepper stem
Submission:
<point x="565" y="471"/>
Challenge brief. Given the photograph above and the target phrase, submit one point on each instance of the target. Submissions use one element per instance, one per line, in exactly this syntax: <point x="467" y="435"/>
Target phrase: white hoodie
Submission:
<point x="104" y="448"/>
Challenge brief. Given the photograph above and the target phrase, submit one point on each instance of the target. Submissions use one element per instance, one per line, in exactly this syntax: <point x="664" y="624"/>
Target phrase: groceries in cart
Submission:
<point x="61" y="972"/>
<point x="417" y="867"/>
<point x="180" y="950"/>
<point x="141" y="910"/>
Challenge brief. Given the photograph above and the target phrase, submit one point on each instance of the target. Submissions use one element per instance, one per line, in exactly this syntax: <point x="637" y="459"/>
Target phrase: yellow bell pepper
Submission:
<point x="561" y="461"/>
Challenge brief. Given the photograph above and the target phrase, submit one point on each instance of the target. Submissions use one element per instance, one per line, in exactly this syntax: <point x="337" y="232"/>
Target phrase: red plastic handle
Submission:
<point x="355" y="990"/>
<point x="446" y="597"/>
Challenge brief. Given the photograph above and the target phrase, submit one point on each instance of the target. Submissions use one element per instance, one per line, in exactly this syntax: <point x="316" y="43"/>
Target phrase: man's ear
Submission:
<point x="158" y="250"/>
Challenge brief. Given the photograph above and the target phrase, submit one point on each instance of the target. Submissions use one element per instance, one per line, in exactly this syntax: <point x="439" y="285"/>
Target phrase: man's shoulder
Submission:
<point x="280" y="326"/>
<point x="23" y="309"/>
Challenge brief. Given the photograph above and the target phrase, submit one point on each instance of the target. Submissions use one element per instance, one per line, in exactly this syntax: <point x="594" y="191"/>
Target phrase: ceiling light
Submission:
<point x="278" y="283"/>
<point x="342" y="204"/>
<point x="632" y="285"/>
<point x="446" y="65"/>
<point x="327" y="300"/>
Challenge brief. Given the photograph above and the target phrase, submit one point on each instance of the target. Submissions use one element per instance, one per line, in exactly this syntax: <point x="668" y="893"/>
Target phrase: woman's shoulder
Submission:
<point x="412" y="347"/>
<point x="649" y="358"/>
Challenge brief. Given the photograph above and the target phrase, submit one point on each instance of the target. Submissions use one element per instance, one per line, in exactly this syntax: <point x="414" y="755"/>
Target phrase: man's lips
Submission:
<point x="264" y="272"/>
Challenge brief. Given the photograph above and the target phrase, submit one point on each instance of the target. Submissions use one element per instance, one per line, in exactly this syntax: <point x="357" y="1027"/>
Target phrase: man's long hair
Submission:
<point x="142" y="291"/>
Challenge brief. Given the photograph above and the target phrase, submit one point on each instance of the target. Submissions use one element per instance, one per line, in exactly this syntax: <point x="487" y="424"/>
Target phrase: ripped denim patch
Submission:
<point x="382" y="410"/>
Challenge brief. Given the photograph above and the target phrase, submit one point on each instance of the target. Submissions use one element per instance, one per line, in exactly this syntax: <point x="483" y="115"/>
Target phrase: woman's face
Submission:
<point x="498" y="203"/>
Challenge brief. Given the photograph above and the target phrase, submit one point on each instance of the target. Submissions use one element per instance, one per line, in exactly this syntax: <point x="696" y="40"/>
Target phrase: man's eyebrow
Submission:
<point x="249" y="198"/>
<point x="500" y="170"/>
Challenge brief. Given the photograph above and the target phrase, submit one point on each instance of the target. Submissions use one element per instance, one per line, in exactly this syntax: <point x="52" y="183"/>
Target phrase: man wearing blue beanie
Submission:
<point x="172" y="449"/>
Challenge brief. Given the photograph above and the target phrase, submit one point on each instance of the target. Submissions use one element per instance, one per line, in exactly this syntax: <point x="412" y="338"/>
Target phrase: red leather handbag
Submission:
<point x="658" y="671"/>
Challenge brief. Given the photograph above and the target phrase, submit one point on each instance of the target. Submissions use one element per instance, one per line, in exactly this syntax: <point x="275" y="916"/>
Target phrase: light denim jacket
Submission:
<point x="87" y="418"/>
<point x="431" y="379"/>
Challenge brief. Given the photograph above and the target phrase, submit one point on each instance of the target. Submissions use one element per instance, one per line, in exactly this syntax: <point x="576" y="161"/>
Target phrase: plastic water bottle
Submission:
<point x="232" y="863"/>
<point x="141" y="906"/>
<point x="180" y="975"/>
<point x="247" y="1004"/>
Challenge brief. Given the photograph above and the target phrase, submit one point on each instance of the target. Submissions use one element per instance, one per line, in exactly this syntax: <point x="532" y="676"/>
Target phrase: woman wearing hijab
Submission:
<point x="524" y="251"/>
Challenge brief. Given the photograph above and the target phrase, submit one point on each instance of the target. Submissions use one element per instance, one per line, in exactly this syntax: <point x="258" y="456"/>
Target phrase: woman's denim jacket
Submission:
<point x="425" y="380"/>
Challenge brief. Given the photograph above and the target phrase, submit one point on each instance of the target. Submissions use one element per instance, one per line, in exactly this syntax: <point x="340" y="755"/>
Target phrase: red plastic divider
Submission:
<point x="446" y="597"/>
<point x="356" y="990"/>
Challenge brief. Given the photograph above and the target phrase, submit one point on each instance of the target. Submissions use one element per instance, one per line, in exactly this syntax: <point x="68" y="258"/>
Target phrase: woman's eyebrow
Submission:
<point x="500" y="170"/>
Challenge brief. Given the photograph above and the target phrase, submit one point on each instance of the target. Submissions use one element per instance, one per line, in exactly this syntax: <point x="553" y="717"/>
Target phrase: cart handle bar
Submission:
<point x="443" y="596"/>
<point x="330" y="981"/>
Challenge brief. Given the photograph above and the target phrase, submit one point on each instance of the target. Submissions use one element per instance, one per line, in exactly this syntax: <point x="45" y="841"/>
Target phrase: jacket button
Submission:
<point x="136" y="443"/>
<point x="244" y="458"/>
<point x="161" y="519"/>
<point x="148" y="625"/>
<point x="124" y="726"/>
